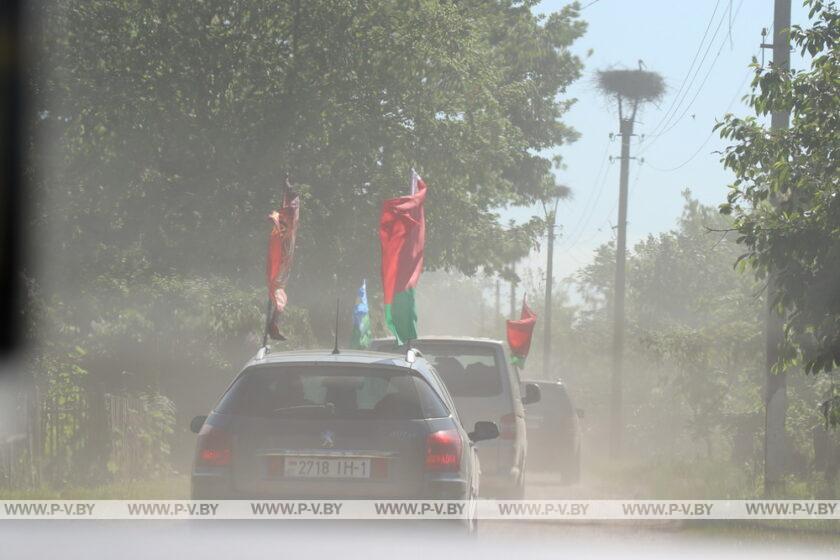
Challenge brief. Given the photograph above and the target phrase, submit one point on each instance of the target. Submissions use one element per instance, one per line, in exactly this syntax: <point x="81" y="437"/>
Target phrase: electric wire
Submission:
<point x="690" y="68"/>
<point x="594" y="196"/>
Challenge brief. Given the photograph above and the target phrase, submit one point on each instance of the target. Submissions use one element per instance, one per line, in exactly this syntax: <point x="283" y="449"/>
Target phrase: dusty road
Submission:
<point x="653" y="539"/>
<point x="163" y="540"/>
<point x="347" y="540"/>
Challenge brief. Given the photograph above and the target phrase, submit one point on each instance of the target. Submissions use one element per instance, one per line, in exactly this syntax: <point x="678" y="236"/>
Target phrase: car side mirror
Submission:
<point x="581" y="413"/>
<point x="196" y="424"/>
<point x="532" y="393"/>
<point x="484" y="430"/>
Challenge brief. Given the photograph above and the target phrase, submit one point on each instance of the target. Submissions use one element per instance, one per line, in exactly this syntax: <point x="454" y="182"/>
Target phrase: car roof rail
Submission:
<point x="411" y="355"/>
<point x="263" y="352"/>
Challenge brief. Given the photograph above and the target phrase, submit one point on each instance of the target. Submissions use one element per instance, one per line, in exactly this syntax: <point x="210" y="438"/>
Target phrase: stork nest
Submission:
<point x="635" y="85"/>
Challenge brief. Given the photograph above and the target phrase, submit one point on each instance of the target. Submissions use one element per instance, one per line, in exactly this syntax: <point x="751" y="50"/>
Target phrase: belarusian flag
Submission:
<point x="361" y="320"/>
<point x="402" y="233"/>
<point x="281" y="250"/>
<point x="519" y="335"/>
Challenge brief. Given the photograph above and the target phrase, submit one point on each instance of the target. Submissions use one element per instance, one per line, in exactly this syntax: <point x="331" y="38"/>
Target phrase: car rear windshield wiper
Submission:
<point x="306" y="407"/>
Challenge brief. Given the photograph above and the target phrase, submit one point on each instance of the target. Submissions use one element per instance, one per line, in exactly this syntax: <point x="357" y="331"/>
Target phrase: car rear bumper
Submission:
<point x="218" y="486"/>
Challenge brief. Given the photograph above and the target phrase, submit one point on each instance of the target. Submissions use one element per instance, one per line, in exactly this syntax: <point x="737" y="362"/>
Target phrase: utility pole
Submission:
<point x="549" y="281"/>
<point x="551" y="224"/>
<point x="498" y="302"/>
<point x="616" y="396"/>
<point x="775" y="397"/>
<point x="630" y="89"/>
<point x="513" y="292"/>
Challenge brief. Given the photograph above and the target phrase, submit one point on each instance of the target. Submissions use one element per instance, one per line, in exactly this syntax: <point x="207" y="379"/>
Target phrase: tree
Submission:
<point x="694" y="327"/>
<point x="171" y="126"/>
<point x="784" y="199"/>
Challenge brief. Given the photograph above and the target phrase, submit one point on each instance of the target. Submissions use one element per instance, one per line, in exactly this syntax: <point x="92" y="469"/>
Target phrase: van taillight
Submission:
<point x="443" y="451"/>
<point x="507" y="426"/>
<point x="214" y="447"/>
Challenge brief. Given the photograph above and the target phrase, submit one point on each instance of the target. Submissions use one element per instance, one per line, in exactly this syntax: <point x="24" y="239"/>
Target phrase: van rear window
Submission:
<point x="331" y="392"/>
<point x="467" y="370"/>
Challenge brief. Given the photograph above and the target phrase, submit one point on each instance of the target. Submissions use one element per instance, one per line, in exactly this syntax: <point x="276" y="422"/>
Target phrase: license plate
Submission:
<point x="317" y="467"/>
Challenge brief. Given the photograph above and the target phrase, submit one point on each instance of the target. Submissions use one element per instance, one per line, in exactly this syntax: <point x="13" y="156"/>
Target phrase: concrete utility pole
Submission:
<point x="513" y="315"/>
<point x="631" y="89"/>
<point x="549" y="281"/>
<point x="498" y="302"/>
<point x="616" y="393"/>
<point x="551" y="225"/>
<point x="775" y="397"/>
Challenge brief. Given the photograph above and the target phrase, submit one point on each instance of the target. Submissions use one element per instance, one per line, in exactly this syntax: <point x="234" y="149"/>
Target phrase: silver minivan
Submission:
<point x="485" y="387"/>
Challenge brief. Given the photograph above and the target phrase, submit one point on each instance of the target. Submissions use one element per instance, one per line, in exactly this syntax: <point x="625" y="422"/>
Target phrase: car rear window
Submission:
<point x="334" y="392"/>
<point x="554" y="399"/>
<point x="468" y="370"/>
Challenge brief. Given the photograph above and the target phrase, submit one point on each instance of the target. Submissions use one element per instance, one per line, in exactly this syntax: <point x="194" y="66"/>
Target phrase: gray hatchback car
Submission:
<point x="354" y="425"/>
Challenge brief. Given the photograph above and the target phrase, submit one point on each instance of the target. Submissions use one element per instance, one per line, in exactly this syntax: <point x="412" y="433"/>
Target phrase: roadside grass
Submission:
<point x="169" y="488"/>
<point x="795" y="531"/>
<point x="708" y="480"/>
<point x="695" y="480"/>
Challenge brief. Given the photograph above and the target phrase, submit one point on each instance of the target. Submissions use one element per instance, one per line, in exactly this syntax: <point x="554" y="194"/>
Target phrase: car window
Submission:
<point x="335" y="392"/>
<point x="467" y="370"/>
<point x="555" y="400"/>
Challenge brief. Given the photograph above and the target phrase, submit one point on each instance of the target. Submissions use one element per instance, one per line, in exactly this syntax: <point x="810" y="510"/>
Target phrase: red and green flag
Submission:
<point x="519" y="335"/>
<point x="281" y="250"/>
<point x="402" y="234"/>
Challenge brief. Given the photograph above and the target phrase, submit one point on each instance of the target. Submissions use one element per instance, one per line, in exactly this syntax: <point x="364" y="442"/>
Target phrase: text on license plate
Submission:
<point x="316" y="467"/>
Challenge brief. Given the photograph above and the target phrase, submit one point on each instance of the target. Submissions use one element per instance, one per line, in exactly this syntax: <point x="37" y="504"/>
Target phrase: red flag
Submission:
<point x="519" y="334"/>
<point x="402" y="234"/>
<point x="281" y="250"/>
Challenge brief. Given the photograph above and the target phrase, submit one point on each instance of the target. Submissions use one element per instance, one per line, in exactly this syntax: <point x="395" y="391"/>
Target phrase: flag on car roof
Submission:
<point x="361" y="320"/>
<point x="402" y="234"/>
<point x="281" y="250"/>
<point x="519" y="335"/>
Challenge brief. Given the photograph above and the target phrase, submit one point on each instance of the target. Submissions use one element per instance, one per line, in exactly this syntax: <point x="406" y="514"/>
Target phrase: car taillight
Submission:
<point x="214" y="447"/>
<point x="443" y="451"/>
<point x="507" y="426"/>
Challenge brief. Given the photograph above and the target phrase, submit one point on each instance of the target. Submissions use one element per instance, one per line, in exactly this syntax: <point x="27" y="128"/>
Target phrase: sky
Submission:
<point x="665" y="35"/>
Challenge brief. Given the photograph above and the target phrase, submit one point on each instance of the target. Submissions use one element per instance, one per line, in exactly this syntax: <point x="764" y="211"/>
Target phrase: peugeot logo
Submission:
<point x="327" y="439"/>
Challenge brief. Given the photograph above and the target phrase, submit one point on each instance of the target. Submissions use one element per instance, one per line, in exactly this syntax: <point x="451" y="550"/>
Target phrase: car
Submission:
<point x="554" y="432"/>
<point x="351" y="425"/>
<point x="484" y="386"/>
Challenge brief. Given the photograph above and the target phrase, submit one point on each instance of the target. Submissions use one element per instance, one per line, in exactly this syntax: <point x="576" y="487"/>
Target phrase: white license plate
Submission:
<point x="316" y="467"/>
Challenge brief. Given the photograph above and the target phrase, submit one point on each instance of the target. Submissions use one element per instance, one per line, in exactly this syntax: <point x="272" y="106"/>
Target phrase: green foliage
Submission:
<point x="784" y="199"/>
<point x="143" y="442"/>
<point x="693" y="331"/>
<point x="164" y="131"/>
<point x="176" y="123"/>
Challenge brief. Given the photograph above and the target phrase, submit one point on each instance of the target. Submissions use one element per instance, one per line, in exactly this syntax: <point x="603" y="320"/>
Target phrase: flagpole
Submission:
<point x="268" y="316"/>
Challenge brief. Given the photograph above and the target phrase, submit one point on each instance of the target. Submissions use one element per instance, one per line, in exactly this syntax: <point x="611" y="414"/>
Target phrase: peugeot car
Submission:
<point x="354" y="425"/>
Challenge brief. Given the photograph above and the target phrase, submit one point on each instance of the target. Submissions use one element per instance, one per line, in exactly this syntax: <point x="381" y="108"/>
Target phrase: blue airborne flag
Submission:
<point x="361" y="320"/>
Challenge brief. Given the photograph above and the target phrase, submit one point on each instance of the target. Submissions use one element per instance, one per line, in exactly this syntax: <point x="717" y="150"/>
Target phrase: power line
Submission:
<point x="690" y="68"/>
<point x="670" y="125"/>
<point x="594" y="195"/>
<point x="703" y="83"/>
<point x="711" y="133"/>
<point x="611" y="212"/>
<point x="573" y="239"/>
<point x="655" y="133"/>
